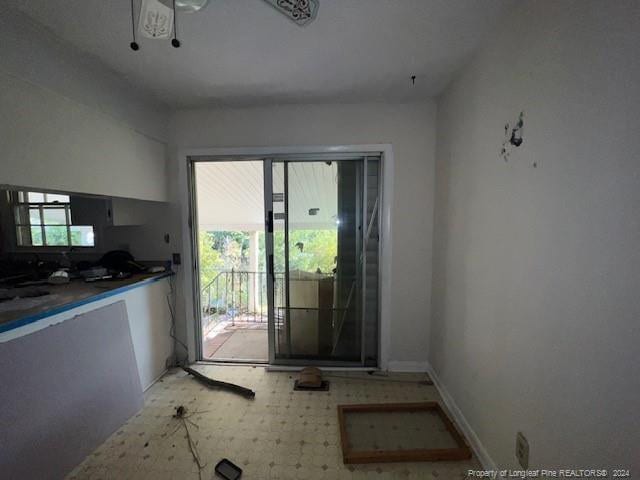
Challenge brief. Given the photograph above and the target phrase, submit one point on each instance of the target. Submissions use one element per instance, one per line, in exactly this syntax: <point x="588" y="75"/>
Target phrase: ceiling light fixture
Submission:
<point x="190" y="6"/>
<point x="157" y="19"/>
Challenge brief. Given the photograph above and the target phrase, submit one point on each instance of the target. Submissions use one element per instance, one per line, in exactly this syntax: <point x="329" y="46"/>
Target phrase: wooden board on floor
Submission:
<point x="351" y="455"/>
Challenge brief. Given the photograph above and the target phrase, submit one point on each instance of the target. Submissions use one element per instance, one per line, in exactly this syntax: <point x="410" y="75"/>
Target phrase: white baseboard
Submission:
<point x="474" y="442"/>
<point x="154" y="381"/>
<point x="402" y="366"/>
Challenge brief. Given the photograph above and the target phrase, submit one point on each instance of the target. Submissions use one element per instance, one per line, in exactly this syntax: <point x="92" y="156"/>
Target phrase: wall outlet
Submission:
<point x="522" y="450"/>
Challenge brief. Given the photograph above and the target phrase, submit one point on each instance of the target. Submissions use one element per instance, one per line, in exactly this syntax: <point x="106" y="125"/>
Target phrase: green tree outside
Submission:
<point x="210" y="260"/>
<point x="309" y="251"/>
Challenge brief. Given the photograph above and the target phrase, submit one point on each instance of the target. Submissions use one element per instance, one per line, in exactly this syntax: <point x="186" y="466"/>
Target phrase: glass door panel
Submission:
<point x="318" y="219"/>
<point x="282" y="335"/>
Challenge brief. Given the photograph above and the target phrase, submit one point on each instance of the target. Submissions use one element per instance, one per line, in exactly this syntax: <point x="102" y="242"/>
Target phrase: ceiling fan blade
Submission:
<point x="301" y="12"/>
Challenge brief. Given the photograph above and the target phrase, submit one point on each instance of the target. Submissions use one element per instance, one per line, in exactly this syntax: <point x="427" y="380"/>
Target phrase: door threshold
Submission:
<point x="235" y="361"/>
<point x="283" y="368"/>
<point x="297" y="368"/>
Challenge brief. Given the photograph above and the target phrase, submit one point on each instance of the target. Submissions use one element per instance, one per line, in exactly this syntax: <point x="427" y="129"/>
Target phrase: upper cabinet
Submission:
<point x="90" y="211"/>
<point x="126" y="211"/>
<point x="112" y="212"/>
<point x="53" y="143"/>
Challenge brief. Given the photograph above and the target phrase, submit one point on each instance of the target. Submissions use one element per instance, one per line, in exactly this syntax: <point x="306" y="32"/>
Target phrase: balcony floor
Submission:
<point x="240" y="340"/>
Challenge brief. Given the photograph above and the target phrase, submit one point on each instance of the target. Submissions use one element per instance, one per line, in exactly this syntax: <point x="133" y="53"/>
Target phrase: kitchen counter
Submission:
<point x="23" y="311"/>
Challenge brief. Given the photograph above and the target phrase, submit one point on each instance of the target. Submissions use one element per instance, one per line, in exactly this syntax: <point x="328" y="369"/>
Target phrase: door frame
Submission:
<point x="190" y="278"/>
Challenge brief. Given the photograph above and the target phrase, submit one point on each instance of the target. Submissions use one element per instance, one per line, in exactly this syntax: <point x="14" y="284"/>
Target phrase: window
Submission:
<point x="44" y="220"/>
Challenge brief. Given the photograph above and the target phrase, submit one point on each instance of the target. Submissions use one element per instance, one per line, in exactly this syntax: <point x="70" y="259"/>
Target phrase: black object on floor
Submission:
<point x="210" y="382"/>
<point x="324" y="387"/>
<point x="227" y="470"/>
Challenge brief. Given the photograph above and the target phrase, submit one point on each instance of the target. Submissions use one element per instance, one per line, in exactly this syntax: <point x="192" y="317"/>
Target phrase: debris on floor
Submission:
<point x="228" y="470"/>
<point x="310" y="379"/>
<point x="181" y="414"/>
<point x="281" y="434"/>
<point x="210" y="382"/>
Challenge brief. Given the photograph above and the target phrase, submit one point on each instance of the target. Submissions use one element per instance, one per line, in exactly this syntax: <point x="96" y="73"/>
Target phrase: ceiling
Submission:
<point x="230" y="195"/>
<point x="244" y="52"/>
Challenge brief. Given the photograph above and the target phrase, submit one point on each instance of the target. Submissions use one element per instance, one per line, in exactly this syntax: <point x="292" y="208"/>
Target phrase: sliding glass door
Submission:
<point x="322" y="259"/>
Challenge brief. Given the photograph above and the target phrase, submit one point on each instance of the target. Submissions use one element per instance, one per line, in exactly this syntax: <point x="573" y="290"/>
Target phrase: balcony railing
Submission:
<point x="238" y="296"/>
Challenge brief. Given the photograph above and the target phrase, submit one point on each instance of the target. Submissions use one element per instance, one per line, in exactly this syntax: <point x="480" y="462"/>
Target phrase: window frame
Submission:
<point x="19" y="200"/>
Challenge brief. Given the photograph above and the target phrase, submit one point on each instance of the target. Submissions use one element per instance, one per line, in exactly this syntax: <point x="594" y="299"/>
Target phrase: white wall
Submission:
<point x="35" y="54"/>
<point x="66" y="123"/>
<point x="409" y="128"/>
<point x="150" y="323"/>
<point x="536" y="270"/>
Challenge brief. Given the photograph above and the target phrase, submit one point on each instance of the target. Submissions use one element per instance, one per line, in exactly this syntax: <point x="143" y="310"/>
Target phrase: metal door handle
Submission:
<point x="270" y="267"/>
<point x="270" y="222"/>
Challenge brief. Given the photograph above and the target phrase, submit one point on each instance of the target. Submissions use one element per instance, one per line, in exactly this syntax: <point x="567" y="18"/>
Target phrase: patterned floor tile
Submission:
<point x="281" y="435"/>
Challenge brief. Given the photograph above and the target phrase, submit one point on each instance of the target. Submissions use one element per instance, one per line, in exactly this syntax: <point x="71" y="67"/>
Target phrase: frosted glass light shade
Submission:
<point x="190" y="6"/>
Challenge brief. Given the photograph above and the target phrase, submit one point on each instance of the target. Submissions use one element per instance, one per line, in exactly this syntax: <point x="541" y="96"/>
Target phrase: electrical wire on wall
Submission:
<point x="171" y="302"/>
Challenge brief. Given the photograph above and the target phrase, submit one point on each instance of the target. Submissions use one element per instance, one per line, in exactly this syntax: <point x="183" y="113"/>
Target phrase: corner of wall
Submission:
<point x="474" y="441"/>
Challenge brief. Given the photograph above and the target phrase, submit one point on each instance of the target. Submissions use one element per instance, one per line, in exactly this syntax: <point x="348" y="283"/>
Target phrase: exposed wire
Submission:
<point x="193" y="449"/>
<point x="181" y="414"/>
<point x="172" y="329"/>
<point x="134" y="45"/>
<point x="133" y="22"/>
<point x="175" y="42"/>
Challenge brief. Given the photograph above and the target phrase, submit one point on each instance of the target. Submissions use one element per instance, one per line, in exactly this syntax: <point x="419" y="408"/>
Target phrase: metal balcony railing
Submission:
<point x="238" y="296"/>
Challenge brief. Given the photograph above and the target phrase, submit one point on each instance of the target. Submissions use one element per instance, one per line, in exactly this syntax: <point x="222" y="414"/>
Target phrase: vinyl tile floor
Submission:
<point x="280" y="435"/>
